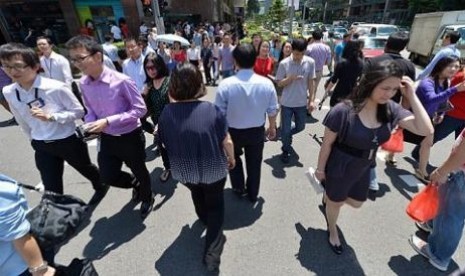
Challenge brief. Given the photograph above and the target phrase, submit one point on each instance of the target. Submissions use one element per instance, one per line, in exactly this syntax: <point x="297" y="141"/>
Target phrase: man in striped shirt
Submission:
<point x="321" y="54"/>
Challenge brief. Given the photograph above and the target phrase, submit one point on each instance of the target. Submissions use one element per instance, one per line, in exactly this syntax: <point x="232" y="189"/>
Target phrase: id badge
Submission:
<point x="38" y="103"/>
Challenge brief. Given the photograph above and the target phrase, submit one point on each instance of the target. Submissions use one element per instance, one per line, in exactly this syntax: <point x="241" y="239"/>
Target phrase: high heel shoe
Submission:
<point x="338" y="249"/>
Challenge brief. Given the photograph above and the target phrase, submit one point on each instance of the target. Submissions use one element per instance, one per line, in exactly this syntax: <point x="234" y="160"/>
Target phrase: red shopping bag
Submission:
<point x="395" y="142"/>
<point x="424" y="205"/>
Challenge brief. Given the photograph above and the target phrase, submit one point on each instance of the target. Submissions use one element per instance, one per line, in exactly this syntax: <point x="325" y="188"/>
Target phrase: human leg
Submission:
<point x="253" y="161"/>
<point x="300" y="118"/>
<point x="286" y="122"/>
<point x="236" y="175"/>
<point x="332" y="213"/>
<point x="425" y="147"/>
<point x="50" y="166"/>
<point x="198" y="199"/>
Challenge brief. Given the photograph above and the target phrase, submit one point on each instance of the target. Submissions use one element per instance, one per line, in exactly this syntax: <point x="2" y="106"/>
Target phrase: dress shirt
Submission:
<point x="135" y="70"/>
<point x="13" y="225"/>
<point x="147" y="50"/>
<point x="57" y="67"/>
<point x="320" y="53"/>
<point x="193" y="54"/>
<point x="449" y="50"/>
<point x="59" y="102"/>
<point x="116" y="32"/>
<point x="108" y="63"/>
<point x="245" y="98"/>
<point x="115" y="97"/>
<point x="111" y="51"/>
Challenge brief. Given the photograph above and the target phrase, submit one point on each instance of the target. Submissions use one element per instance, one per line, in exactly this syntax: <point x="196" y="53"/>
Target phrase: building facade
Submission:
<point x="373" y="11"/>
<point x="22" y="19"/>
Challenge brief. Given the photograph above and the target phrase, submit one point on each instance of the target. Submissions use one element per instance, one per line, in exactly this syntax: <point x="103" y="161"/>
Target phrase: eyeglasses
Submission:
<point x="80" y="59"/>
<point x="17" y="67"/>
<point x="150" y="68"/>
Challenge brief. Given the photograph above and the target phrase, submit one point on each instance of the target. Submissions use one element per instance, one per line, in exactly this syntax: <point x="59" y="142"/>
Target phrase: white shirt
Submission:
<point x="193" y="54"/>
<point x="135" y="70"/>
<point x="59" y="102"/>
<point x="147" y="50"/>
<point x="108" y="63"/>
<point x="57" y="67"/>
<point x="111" y="51"/>
<point x="116" y="31"/>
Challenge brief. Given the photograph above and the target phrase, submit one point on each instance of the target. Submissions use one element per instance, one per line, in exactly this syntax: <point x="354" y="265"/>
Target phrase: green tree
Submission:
<point x="253" y="7"/>
<point x="422" y="6"/>
<point x="277" y="12"/>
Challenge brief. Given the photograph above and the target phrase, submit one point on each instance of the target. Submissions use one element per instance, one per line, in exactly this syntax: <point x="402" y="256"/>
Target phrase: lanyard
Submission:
<point x="36" y="94"/>
<point x="49" y="67"/>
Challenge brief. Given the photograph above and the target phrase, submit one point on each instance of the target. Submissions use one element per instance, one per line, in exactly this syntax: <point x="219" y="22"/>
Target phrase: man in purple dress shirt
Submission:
<point x="114" y="108"/>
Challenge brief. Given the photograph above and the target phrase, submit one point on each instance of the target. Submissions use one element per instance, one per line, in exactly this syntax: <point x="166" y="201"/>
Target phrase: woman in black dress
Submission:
<point x="156" y="97"/>
<point x="354" y="130"/>
<point x="346" y="73"/>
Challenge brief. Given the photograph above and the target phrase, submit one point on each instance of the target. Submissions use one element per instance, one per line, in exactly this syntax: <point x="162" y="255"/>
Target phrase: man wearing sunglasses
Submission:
<point x="114" y="108"/>
<point x="47" y="110"/>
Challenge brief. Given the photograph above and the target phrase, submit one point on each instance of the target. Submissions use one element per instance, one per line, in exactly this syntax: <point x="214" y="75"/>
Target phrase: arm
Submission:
<point x="221" y="100"/>
<point x="420" y="122"/>
<point x="429" y="68"/>
<point x="228" y="147"/>
<point x="72" y="109"/>
<point x="66" y="68"/>
<point x="282" y="78"/>
<point x="429" y="94"/>
<point x="328" y="141"/>
<point x="29" y="250"/>
<point x="272" y="112"/>
<point x="311" y="91"/>
<point x="90" y="116"/>
<point x="24" y="126"/>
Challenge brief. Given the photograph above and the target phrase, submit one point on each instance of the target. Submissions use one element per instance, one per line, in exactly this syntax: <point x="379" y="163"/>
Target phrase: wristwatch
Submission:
<point x="41" y="268"/>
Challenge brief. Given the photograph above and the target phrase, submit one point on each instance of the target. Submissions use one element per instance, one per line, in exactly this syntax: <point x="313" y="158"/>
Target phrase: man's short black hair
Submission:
<point x="317" y="34"/>
<point x="10" y="50"/>
<point x="142" y="39"/>
<point x="345" y="35"/>
<point x="86" y="42"/>
<point x="48" y="39"/>
<point x="397" y="41"/>
<point x="454" y="36"/>
<point x="108" y="37"/>
<point x="244" y="54"/>
<point x="299" y="45"/>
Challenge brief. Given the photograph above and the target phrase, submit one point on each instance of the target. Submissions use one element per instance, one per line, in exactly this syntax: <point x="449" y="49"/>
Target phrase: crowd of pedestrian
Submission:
<point x="158" y="88"/>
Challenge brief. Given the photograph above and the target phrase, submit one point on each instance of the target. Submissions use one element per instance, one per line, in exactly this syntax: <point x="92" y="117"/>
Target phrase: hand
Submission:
<point x="460" y="87"/>
<point x="231" y="163"/>
<point x="40" y="114"/>
<point x="406" y="87"/>
<point x="145" y="90"/>
<point x="97" y="126"/>
<point x="310" y="106"/>
<point x="437" y="177"/>
<point x="320" y="175"/>
<point x="295" y="77"/>
<point x="271" y="132"/>
<point x="49" y="272"/>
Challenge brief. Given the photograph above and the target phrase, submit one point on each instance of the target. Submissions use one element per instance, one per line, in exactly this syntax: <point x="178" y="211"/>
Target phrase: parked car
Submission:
<point x="376" y="30"/>
<point x="373" y="46"/>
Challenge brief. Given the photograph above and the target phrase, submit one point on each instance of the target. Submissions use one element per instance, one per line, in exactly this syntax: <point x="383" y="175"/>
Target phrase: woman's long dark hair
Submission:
<point x="281" y="54"/>
<point x="442" y="64"/>
<point x="352" y="51"/>
<point x="374" y="75"/>
<point x="160" y="66"/>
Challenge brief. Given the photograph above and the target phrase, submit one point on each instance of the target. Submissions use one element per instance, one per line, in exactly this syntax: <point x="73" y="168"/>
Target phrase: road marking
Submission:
<point x="411" y="181"/>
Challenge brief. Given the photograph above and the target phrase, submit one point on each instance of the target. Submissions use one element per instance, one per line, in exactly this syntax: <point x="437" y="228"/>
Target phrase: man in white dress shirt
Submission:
<point x="55" y="65"/>
<point x="46" y="110"/>
<point x="111" y="51"/>
<point x="134" y="65"/>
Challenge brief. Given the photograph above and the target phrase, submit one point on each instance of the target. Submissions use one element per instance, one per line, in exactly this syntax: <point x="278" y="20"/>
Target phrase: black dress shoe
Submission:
<point x="99" y="195"/>
<point x="239" y="192"/>
<point x="338" y="249"/>
<point x="146" y="207"/>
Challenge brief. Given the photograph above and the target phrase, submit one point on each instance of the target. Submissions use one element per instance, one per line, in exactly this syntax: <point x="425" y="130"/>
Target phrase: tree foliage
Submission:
<point x="253" y="7"/>
<point x="277" y="12"/>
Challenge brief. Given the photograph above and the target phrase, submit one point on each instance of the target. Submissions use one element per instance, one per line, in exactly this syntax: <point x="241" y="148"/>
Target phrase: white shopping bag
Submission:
<point x="314" y="181"/>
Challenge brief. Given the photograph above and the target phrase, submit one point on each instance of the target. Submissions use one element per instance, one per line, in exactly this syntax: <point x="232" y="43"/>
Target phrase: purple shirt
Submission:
<point x="321" y="54"/>
<point x="113" y="96"/>
<point x="432" y="98"/>
<point x="4" y="79"/>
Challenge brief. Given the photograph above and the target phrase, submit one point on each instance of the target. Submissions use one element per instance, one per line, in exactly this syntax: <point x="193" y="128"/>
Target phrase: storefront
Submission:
<point x="19" y="21"/>
<point x="100" y="14"/>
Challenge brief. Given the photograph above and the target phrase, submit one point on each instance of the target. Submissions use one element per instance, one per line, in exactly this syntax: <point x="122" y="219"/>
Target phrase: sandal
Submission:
<point x="423" y="177"/>
<point x="165" y="175"/>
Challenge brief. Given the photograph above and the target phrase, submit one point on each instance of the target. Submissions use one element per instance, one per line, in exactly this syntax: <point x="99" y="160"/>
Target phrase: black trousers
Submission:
<point x="207" y="71"/>
<point x="250" y="142"/>
<point x="128" y="149"/>
<point x="164" y="155"/>
<point x="209" y="206"/>
<point x="50" y="157"/>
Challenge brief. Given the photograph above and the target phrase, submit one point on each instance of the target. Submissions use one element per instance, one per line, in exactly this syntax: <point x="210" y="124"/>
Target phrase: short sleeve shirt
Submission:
<point x="343" y="120"/>
<point x="195" y="147"/>
<point x="295" y="93"/>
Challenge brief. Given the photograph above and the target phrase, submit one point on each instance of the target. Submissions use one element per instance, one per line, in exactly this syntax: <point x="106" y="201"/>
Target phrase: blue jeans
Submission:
<point x="448" y="225"/>
<point x="227" y="73"/>
<point x="300" y="117"/>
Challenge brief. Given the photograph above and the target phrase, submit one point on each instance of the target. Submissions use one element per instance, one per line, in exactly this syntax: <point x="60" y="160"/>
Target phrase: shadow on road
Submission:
<point x="240" y="212"/>
<point x="109" y="233"/>
<point x="383" y="190"/>
<point x="417" y="265"/>
<point x="184" y="255"/>
<point x="164" y="189"/>
<point x="316" y="255"/>
<point x="393" y="174"/>
<point x="311" y="119"/>
<point x="278" y="166"/>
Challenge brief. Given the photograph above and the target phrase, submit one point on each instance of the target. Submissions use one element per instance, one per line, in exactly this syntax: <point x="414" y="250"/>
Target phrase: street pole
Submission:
<point x="386" y="6"/>
<point x="158" y="19"/>
<point x="290" y="4"/>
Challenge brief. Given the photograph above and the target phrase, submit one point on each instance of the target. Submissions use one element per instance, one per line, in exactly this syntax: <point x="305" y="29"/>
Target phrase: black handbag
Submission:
<point x="77" y="267"/>
<point x="56" y="218"/>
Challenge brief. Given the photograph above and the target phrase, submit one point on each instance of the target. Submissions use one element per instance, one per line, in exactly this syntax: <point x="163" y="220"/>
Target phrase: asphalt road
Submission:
<point x="284" y="233"/>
